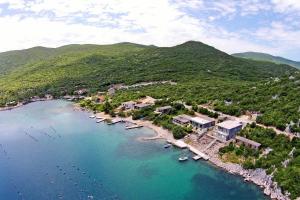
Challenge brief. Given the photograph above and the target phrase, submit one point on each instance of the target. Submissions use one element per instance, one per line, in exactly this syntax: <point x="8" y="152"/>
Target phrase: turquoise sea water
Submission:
<point x="49" y="151"/>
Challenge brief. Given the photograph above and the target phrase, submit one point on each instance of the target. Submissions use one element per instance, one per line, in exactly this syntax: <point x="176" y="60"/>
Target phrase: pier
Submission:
<point x="196" y="157"/>
<point x="198" y="153"/>
<point x="134" y="126"/>
<point x="100" y="120"/>
<point x="181" y="144"/>
<point x="178" y="143"/>
<point x="115" y="121"/>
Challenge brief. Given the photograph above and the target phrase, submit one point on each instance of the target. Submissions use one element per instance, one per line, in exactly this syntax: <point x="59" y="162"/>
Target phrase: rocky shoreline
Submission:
<point x="256" y="176"/>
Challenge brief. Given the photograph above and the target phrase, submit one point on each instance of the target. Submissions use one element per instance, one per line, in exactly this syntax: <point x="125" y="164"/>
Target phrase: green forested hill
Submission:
<point x="12" y="60"/>
<point x="267" y="57"/>
<point x="203" y="73"/>
<point x="40" y="70"/>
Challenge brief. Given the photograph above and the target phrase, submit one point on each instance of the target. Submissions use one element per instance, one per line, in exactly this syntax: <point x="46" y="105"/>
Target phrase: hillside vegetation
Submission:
<point x="267" y="57"/>
<point x="203" y="75"/>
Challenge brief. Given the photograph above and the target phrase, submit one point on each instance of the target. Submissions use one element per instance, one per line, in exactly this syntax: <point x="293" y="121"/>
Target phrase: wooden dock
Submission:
<point x="114" y="121"/>
<point x="134" y="126"/>
<point x="180" y="144"/>
<point x="198" y="153"/>
<point x="100" y="120"/>
<point x="196" y="157"/>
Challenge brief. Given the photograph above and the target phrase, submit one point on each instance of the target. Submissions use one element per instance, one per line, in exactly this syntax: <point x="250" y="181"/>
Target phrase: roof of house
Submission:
<point x="142" y="105"/>
<point x="129" y="102"/>
<point x="201" y="120"/>
<point x="229" y="124"/>
<point x="182" y="118"/>
<point x="164" y="108"/>
<point x="245" y="140"/>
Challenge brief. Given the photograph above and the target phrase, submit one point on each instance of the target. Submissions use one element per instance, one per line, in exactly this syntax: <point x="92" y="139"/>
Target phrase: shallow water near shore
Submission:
<point x="49" y="151"/>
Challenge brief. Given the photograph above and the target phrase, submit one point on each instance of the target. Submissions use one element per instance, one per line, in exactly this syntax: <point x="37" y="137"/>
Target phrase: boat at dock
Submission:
<point x="100" y="120"/>
<point x="183" y="158"/>
<point x="167" y="146"/>
<point x="92" y="116"/>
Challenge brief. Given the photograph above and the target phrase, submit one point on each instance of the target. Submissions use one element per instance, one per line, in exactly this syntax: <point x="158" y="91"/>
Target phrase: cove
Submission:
<point x="49" y="151"/>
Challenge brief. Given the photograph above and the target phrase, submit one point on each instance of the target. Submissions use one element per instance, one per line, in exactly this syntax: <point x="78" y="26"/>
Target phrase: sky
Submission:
<point x="270" y="26"/>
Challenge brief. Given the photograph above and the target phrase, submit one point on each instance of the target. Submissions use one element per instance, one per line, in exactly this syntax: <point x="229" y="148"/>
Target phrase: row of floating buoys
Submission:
<point x="54" y="131"/>
<point x="51" y="136"/>
<point x="4" y="152"/>
<point x="91" y="181"/>
<point x="18" y="191"/>
<point x="30" y="136"/>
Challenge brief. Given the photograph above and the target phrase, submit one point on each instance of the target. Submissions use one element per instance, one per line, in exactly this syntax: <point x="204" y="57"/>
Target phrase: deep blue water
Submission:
<point x="49" y="151"/>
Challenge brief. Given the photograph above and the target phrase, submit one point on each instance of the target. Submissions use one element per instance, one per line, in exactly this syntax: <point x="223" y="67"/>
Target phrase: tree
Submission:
<point x="107" y="107"/>
<point x="178" y="132"/>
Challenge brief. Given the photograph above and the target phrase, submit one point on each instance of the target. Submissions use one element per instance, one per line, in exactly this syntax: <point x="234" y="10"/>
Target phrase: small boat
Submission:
<point x="167" y="146"/>
<point x="92" y="116"/>
<point x="99" y="117"/>
<point x="183" y="158"/>
<point x="100" y="120"/>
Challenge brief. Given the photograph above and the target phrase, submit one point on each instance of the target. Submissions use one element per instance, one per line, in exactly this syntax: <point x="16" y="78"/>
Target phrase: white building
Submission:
<point x="128" y="105"/>
<point x="164" y="109"/>
<point x="228" y="129"/>
<point x="202" y="123"/>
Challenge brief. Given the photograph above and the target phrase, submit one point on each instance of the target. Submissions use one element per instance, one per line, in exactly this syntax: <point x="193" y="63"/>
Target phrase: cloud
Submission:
<point x="286" y="5"/>
<point x="280" y="34"/>
<point x="164" y="23"/>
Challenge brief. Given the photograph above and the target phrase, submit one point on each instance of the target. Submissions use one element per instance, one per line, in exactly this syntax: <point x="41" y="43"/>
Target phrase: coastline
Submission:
<point x="20" y="104"/>
<point x="257" y="176"/>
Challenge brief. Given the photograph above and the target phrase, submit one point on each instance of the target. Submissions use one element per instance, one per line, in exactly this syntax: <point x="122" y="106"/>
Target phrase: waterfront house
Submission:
<point x="202" y="123"/>
<point x="128" y="105"/>
<point x="141" y="106"/>
<point x="164" y="109"/>
<point x="111" y="91"/>
<point x="81" y="92"/>
<point x="181" y="120"/>
<point x="100" y="99"/>
<point x="248" y="143"/>
<point x="228" y="129"/>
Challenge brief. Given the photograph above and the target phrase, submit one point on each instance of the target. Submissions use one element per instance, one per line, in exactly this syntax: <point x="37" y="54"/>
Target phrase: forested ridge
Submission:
<point x="203" y="75"/>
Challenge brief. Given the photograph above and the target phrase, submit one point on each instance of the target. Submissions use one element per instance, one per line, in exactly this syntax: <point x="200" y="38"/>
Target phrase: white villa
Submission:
<point x="228" y="129"/>
<point x="141" y="106"/>
<point x="202" y="123"/>
<point x="164" y="109"/>
<point x="128" y="105"/>
<point x="181" y="120"/>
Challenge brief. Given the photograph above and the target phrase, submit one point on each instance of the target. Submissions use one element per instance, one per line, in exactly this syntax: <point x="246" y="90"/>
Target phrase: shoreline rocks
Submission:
<point x="256" y="176"/>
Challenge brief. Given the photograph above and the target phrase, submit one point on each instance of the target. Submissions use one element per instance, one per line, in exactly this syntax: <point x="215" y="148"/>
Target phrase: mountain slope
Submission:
<point x="203" y="75"/>
<point x="267" y="57"/>
<point x="12" y="60"/>
<point x="96" y="67"/>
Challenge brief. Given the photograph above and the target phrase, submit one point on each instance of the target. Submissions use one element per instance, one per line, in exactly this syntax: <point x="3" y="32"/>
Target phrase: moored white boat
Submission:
<point x="183" y="158"/>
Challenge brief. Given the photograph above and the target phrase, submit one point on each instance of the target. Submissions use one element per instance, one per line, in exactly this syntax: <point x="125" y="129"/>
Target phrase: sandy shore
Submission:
<point x="160" y="133"/>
